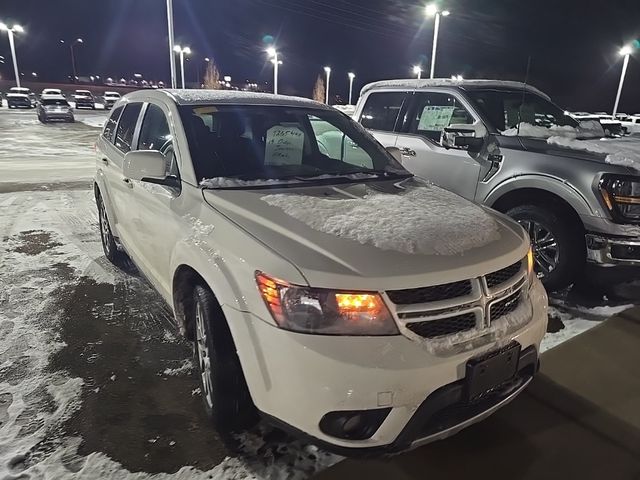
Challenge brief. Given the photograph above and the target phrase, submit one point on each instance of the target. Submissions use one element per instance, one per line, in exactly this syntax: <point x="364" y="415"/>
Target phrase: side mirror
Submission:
<point x="148" y="166"/>
<point x="464" y="137"/>
<point x="395" y="153"/>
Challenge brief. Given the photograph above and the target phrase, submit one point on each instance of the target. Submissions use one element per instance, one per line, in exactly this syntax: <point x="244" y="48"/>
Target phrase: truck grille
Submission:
<point x="436" y="293"/>
<point x="504" y="275"/>
<point x="505" y="306"/>
<point x="443" y="326"/>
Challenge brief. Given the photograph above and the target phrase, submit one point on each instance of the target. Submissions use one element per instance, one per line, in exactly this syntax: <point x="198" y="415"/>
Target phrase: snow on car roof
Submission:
<point x="415" y="84"/>
<point x="194" y="97"/>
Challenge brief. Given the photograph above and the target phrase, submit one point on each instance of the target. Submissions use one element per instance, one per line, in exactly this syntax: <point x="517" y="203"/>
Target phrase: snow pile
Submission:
<point x="576" y="321"/>
<point x="619" y="151"/>
<point x="230" y="182"/>
<point x="528" y="130"/>
<point x="233" y="97"/>
<point x="423" y="220"/>
<point x="97" y="122"/>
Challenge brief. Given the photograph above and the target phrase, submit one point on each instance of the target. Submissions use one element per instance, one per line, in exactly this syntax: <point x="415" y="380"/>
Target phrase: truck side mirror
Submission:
<point x="464" y="137"/>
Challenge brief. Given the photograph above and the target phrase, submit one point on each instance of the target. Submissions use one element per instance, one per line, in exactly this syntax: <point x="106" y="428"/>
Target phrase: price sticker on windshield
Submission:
<point x="285" y="146"/>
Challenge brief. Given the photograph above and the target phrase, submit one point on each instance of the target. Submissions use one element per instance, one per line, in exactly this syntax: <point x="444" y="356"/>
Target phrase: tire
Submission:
<point x="109" y="246"/>
<point x="225" y="394"/>
<point x="566" y="244"/>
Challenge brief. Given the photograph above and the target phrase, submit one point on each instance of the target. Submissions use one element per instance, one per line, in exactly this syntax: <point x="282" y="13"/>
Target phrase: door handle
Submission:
<point x="128" y="182"/>
<point x="407" y="152"/>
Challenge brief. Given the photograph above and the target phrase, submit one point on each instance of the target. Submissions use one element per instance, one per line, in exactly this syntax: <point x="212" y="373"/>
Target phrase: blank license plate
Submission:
<point x="490" y="372"/>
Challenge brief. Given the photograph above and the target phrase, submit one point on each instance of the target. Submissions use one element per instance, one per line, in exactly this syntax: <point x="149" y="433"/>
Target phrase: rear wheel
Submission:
<point x="558" y="244"/>
<point x="109" y="246"/>
<point x="226" y="396"/>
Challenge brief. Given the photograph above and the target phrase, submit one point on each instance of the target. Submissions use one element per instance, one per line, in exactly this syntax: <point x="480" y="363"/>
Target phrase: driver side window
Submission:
<point x="434" y="112"/>
<point x="156" y="135"/>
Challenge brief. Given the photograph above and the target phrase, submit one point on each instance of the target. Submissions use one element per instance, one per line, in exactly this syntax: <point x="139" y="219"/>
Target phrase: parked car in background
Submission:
<point x="110" y="98"/>
<point x="612" y="128"/>
<point x="506" y="145"/>
<point x="631" y="123"/>
<point x="347" y="301"/>
<point x="51" y="91"/>
<point x="21" y="97"/>
<point x="54" y="107"/>
<point x="84" y="99"/>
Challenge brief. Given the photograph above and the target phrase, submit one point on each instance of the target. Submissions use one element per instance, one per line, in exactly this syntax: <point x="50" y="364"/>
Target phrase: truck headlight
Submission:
<point x="531" y="263"/>
<point x="325" y="312"/>
<point x="621" y="195"/>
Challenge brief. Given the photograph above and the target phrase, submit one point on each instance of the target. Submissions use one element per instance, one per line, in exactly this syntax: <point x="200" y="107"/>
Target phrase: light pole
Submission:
<point x="172" y="58"/>
<point x="351" y="77"/>
<point x="77" y="41"/>
<point x="182" y="51"/>
<point x="625" y="52"/>
<point x="432" y="10"/>
<point x="273" y="55"/>
<point x="417" y="70"/>
<point x="327" y="70"/>
<point x="10" y="32"/>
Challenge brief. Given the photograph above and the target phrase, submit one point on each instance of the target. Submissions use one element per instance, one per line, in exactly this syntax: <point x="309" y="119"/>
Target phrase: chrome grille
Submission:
<point x="504" y="306"/>
<point x="504" y="275"/>
<point x="443" y="326"/>
<point x="436" y="293"/>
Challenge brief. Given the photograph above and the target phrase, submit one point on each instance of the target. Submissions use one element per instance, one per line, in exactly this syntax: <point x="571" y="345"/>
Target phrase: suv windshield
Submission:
<point x="280" y="143"/>
<point x="507" y="108"/>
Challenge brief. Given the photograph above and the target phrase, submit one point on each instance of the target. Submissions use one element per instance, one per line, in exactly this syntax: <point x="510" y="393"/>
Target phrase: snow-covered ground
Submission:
<point x="93" y="381"/>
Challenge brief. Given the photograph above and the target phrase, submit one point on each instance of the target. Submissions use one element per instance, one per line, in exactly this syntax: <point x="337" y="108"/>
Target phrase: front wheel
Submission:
<point x="109" y="246"/>
<point x="226" y="397"/>
<point x="557" y="242"/>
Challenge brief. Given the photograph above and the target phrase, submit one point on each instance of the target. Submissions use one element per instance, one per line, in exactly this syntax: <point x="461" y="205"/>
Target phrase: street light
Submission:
<point x="172" y="58"/>
<point x="327" y="70"/>
<point x="351" y="77"/>
<point x="77" y="41"/>
<point x="273" y="55"/>
<point x="182" y="51"/>
<point x="417" y="70"/>
<point x="10" y="32"/>
<point x="432" y="11"/>
<point x="625" y="52"/>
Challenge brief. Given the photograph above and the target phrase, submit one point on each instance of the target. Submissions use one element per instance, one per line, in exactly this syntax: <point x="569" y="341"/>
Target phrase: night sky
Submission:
<point x="573" y="44"/>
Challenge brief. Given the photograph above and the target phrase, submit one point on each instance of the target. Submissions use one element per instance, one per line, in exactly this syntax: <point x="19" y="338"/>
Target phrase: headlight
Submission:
<point x="621" y="195"/>
<point x="325" y="312"/>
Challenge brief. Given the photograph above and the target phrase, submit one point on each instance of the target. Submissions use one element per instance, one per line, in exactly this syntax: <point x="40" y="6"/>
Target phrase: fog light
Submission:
<point x="353" y="425"/>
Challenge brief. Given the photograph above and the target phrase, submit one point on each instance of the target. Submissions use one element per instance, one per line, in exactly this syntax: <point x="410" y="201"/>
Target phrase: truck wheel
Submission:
<point x="109" y="246"/>
<point x="226" y="397"/>
<point x="558" y="244"/>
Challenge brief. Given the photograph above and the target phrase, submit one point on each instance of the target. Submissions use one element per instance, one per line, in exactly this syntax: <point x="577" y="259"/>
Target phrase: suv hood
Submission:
<point x="380" y="235"/>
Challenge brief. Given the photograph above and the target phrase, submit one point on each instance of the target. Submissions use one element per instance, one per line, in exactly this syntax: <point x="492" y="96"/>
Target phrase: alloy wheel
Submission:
<point x="104" y="228"/>
<point x="544" y="245"/>
<point x="204" y="357"/>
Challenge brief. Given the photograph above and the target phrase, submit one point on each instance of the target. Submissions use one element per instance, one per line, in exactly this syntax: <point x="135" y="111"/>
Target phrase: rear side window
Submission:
<point x="110" y="126"/>
<point x="127" y="126"/>
<point x="381" y="110"/>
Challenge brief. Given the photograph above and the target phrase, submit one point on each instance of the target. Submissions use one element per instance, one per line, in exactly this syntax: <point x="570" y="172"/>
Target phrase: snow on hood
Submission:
<point x="588" y="128"/>
<point x="619" y="151"/>
<point x="424" y="220"/>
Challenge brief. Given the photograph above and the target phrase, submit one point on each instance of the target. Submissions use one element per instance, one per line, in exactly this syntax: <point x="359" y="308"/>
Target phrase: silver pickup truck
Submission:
<point x="492" y="142"/>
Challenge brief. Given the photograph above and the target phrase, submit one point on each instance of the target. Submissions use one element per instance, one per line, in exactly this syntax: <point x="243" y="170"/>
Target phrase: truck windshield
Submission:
<point x="505" y="109"/>
<point x="281" y="143"/>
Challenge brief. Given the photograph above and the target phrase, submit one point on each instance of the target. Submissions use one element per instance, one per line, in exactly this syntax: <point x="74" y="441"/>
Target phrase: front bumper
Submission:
<point x="297" y="379"/>
<point x="58" y="116"/>
<point x="611" y="251"/>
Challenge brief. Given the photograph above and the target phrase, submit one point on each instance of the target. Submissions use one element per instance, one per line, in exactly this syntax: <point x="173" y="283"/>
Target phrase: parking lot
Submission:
<point x="103" y="385"/>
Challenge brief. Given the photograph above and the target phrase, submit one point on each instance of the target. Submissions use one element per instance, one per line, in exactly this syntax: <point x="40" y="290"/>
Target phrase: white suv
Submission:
<point x="323" y="285"/>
